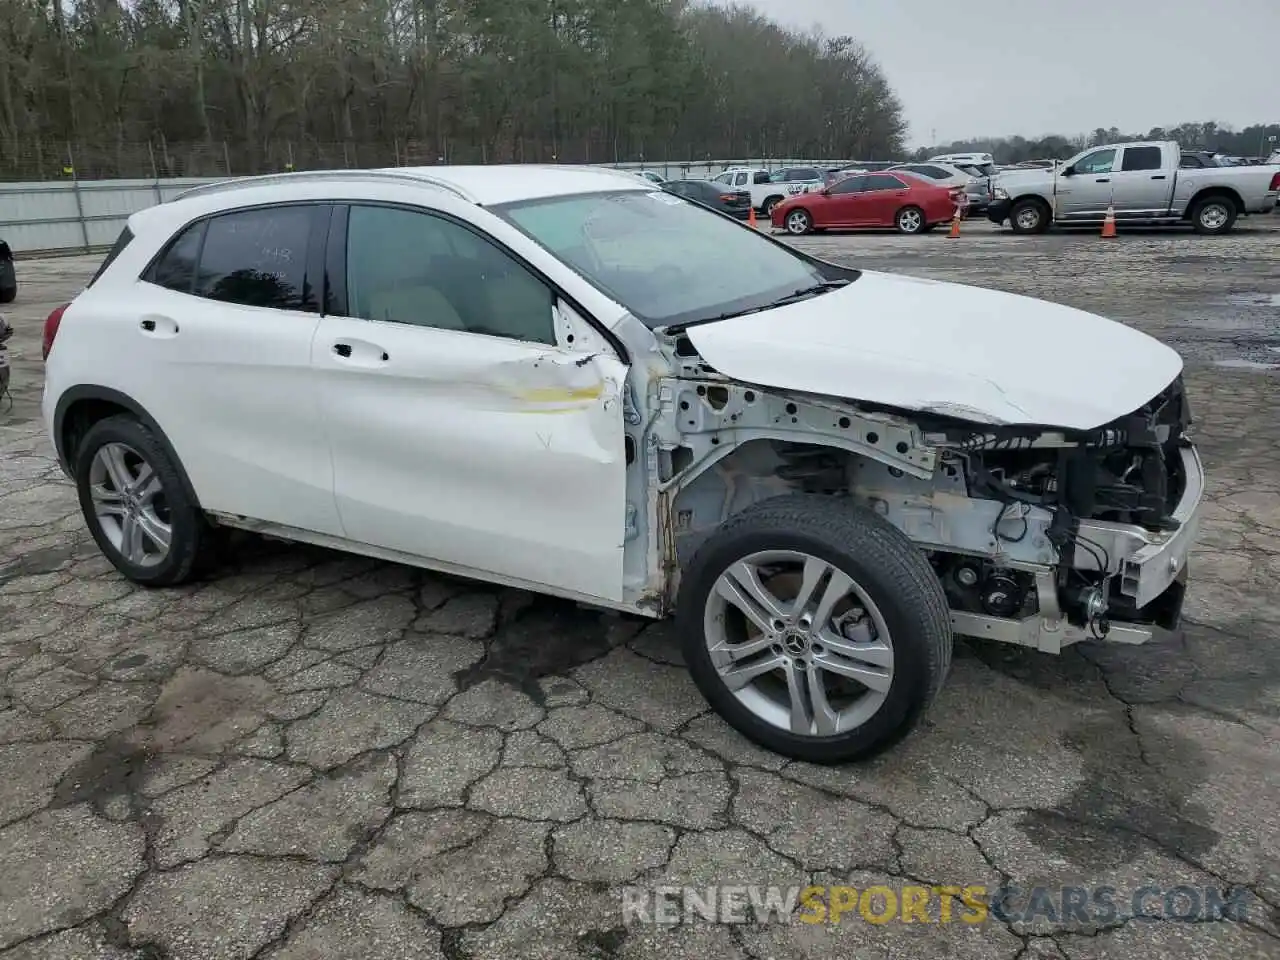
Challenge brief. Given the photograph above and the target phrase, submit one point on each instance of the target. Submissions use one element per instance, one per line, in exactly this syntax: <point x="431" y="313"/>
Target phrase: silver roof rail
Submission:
<point x="303" y="176"/>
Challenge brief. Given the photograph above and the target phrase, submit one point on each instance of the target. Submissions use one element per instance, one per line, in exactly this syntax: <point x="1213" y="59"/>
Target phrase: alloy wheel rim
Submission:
<point x="799" y="643"/>
<point x="129" y="504"/>
<point x="797" y="222"/>
<point x="1028" y="219"/>
<point x="909" y="221"/>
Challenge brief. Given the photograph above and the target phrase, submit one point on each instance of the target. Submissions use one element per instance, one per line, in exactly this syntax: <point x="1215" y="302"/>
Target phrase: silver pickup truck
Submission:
<point x="1145" y="183"/>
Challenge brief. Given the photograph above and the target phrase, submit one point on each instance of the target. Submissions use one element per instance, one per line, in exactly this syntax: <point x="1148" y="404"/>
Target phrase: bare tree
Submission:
<point x="259" y="84"/>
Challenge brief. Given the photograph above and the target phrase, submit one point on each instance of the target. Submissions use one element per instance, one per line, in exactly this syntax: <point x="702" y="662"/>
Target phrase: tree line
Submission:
<point x="1252" y="141"/>
<point x="239" y="82"/>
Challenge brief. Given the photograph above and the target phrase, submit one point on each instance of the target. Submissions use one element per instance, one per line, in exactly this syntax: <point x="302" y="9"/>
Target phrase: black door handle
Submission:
<point x="1158" y="176"/>
<point x="148" y="325"/>
<point x="1103" y="180"/>
<point x="342" y="349"/>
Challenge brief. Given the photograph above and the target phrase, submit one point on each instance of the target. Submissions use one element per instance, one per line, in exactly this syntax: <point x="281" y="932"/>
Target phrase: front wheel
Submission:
<point x="135" y="504"/>
<point x="767" y="207"/>
<point x="798" y="222"/>
<point x="815" y="628"/>
<point x="1029" y="216"/>
<point x="8" y="294"/>
<point x="910" y="220"/>
<point x="1213" y="215"/>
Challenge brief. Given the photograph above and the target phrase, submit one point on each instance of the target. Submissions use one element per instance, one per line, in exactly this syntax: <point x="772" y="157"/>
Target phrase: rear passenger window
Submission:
<point x="176" y="268"/>
<point x="1141" y="158"/>
<point x="257" y="258"/>
<point x="409" y="267"/>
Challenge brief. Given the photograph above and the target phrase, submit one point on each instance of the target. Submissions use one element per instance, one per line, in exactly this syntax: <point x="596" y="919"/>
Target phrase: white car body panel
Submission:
<point x="947" y="348"/>
<point x="242" y="420"/>
<point x="483" y="452"/>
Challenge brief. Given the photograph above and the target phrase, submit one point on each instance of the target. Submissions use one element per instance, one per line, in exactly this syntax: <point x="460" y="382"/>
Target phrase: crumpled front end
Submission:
<point x="1118" y="506"/>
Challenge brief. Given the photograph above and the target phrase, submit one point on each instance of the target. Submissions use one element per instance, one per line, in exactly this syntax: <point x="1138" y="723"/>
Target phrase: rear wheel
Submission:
<point x="135" y="504"/>
<point x="8" y="294"/>
<point x="798" y="222"/>
<point x="1213" y="215"/>
<point x="910" y="220"/>
<point x="815" y="628"/>
<point x="769" y="203"/>
<point x="1029" y="216"/>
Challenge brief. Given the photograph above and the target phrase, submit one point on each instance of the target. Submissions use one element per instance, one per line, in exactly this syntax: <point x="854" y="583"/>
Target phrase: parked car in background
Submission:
<point x="769" y="188"/>
<point x="1198" y="160"/>
<point x="563" y="380"/>
<point x="1143" y="182"/>
<point x="968" y="159"/>
<point x="8" y="274"/>
<point x="905" y="201"/>
<point x="731" y="200"/>
<point x="977" y="189"/>
<point x="651" y="176"/>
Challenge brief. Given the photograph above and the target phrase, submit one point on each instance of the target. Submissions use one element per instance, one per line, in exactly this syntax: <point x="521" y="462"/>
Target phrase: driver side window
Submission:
<point x="1100" y="161"/>
<point x="408" y="266"/>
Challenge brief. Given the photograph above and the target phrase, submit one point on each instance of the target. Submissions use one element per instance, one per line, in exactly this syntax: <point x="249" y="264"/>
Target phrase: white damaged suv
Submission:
<point x="545" y="377"/>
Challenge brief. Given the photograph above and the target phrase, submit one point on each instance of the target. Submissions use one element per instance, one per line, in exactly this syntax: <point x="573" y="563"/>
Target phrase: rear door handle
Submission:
<point x="361" y="352"/>
<point x="1159" y="176"/>
<point x="159" y="325"/>
<point x="1103" y="180"/>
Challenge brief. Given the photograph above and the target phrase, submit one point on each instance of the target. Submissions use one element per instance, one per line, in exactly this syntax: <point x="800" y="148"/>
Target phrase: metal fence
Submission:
<point x="74" y="214"/>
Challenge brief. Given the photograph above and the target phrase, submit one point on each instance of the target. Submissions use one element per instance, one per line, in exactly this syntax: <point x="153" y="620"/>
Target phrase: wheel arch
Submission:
<point x="1034" y="198"/>
<point x="80" y="407"/>
<point x="1226" y="193"/>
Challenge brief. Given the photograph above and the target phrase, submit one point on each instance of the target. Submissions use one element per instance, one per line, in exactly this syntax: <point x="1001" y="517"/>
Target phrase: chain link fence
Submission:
<point x="78" y="160"/>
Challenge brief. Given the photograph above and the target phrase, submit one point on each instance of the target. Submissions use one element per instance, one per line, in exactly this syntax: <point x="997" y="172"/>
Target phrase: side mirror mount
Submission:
<point x="1067" y="171"/>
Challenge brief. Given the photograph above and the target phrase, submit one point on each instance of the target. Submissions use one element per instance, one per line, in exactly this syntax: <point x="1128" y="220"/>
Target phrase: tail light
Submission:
<point x="1275" y="182"/>
<point x="728" y="197"/>
<point x="51" y="324"/>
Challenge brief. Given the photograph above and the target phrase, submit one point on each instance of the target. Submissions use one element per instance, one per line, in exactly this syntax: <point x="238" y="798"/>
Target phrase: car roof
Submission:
<point x="485" y="185"/>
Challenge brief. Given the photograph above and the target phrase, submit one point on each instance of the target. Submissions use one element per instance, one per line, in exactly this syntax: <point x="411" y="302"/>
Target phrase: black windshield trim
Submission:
<point x="827" y="269"/>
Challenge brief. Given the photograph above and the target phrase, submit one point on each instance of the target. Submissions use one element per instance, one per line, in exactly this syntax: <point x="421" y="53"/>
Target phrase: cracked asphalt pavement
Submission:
<point x="311" y="755"/>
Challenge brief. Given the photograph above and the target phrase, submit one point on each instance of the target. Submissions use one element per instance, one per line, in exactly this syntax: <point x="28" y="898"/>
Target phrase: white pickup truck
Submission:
<point x="768" y="188"/>
<point x="1143" y="182"/>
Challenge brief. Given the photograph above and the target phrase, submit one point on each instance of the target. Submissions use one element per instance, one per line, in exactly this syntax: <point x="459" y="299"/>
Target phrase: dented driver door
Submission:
<point x="483" y="455"/>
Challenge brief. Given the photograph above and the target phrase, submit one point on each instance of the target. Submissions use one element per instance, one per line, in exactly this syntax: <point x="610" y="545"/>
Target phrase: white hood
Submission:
<point x="946" y="348"/>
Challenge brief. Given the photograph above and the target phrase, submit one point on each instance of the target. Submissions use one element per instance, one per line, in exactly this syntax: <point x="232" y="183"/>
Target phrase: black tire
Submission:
<point x="769" y="203"/>
<point x="1030" y="216"/>
<point x="187" y="522"/>
<point x="798" y="222"/>
<point x="1214" y="215"/>
<point x="929" y="228"/>
<point x="883" y="561"/>
<point x="910" y="220"/>
<point x="8" y="294"/>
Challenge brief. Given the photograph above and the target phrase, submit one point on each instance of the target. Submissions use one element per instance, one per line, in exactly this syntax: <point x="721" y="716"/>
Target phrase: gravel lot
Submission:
<point x="316" y="756"/>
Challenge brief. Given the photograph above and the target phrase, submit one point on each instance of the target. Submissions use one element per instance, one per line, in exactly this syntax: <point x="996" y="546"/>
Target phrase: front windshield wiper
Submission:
<point x="795" y="296"/>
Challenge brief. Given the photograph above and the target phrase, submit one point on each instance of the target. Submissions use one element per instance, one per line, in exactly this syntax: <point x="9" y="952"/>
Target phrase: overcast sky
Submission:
<point x="1034" y="67"/>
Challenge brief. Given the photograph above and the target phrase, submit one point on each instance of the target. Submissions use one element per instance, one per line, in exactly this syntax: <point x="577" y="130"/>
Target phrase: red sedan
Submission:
<point x="870" y="200"/>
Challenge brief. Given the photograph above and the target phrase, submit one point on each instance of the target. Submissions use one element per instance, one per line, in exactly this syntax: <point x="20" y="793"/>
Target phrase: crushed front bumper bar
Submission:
<point x="1149" y="574"/>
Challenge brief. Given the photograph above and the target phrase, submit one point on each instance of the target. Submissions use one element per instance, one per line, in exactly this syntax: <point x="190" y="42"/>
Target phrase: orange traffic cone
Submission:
<point x="751" y="219"/>
<point x="955" y="225"/>
<point x="1109" y="224"/>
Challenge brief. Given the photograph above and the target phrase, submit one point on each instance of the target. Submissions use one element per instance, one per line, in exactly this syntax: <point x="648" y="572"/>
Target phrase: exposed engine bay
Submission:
<point x="1022" y="524"/>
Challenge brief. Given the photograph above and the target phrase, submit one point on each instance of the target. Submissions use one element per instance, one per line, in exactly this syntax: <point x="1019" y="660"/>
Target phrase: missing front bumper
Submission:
<point x="1050" y="632"/>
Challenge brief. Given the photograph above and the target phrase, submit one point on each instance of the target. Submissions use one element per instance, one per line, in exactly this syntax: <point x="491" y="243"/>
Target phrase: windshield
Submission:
<point x="666" y="260"/>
